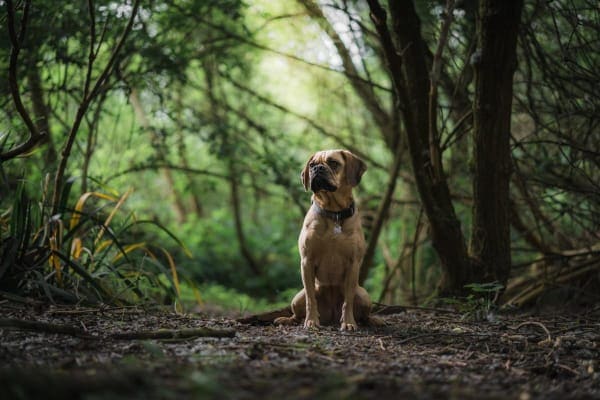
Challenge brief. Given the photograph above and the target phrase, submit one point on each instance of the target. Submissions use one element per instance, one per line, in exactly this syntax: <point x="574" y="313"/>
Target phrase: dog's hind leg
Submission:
<point x="298" y="310"/>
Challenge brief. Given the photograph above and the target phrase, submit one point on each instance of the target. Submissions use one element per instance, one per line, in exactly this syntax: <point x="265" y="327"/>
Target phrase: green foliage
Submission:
<point x="81" y="254"/>
<point x="481" y="303"/>
<point x="237" y="94"/>
<point x="219" y="298"/>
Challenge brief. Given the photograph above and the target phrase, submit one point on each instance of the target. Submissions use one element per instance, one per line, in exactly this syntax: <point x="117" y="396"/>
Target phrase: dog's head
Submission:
<point x="330" y="170"/>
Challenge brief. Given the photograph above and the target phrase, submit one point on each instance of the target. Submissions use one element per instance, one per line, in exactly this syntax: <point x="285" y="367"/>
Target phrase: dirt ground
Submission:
<point x="419" y="354"/>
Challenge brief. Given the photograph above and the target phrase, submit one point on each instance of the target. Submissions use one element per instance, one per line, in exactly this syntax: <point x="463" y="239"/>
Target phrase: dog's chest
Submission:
<point x="330" y="252"/>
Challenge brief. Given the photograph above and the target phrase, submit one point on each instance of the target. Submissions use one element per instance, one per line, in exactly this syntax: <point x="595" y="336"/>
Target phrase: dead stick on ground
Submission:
<point x="46" y="327"/>
<point x="185" y="333"/>
<point x="536" y="324"/>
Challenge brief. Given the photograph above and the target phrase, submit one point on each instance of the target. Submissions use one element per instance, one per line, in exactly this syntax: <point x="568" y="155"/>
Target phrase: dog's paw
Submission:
<point x="348" y="326"/>
<point x="285" y="321"/>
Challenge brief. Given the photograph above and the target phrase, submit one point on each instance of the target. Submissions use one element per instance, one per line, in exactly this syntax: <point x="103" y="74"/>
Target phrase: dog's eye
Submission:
<point x="333" y="164"/>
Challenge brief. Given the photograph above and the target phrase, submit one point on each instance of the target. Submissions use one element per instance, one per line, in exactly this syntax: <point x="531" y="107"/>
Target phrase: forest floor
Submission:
<point x="418" y="354"/>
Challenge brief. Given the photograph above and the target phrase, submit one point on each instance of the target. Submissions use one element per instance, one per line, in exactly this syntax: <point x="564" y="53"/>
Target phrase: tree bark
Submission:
<point x="495" y="62"/>
<point x="407" y="61"/>
<point x="412" y="85"/>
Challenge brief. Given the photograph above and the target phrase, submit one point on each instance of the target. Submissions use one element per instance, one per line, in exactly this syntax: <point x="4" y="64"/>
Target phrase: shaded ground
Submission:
<point x="419" y="354"/>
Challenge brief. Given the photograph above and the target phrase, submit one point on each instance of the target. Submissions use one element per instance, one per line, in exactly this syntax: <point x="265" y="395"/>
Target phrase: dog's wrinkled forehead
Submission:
<point x="327" y="156"/>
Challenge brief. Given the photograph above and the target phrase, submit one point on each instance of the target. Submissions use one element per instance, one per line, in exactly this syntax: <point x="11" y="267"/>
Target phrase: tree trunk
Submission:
<point x="495" y="62"/>
<point x="178" y="206"/>
<point x="237" y="214"/>
<point x="40" y="111"/>
<point x="412" y="85"/>
<point x="380" y="217"/>
<point x="407" y="62"/>
<point x="195" y="205"/>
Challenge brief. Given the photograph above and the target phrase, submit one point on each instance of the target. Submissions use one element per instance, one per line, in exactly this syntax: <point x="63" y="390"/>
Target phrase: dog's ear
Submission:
<point x="355" y="168"/>
<point x="305" y="176"/>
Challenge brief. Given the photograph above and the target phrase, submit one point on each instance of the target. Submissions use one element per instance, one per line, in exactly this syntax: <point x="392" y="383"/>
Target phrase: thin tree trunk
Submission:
<point x="237" y="214"/>
<point x="41" y="114"/>
<point x="90" y="144"/>
<point x="195" y="203"/>
<point x="411" y="81"/>
<point x="178" y="206"/>
<point x="495" y="63"/>
<point x="380" y="217"/>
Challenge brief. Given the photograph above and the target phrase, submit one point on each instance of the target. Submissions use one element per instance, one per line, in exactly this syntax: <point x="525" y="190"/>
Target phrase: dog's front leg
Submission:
<point x="350" y="284"/>
<point x="308" y="280"/>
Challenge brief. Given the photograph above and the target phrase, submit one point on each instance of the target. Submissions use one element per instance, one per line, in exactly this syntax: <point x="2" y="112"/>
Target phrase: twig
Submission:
<point x="537" y="324"/>
<point x="129" y="309"/>
<point x="381" y="311"/>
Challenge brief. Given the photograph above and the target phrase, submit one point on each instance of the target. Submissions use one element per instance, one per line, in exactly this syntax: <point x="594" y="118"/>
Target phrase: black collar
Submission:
<point x="337" y="216"/>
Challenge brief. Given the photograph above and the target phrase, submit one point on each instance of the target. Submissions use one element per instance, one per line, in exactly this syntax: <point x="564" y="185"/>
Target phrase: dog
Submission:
<point x="331" y="245"/>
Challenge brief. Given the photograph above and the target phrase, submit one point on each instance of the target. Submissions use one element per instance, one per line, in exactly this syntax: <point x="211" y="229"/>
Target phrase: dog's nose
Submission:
<point x="318" y="168"/>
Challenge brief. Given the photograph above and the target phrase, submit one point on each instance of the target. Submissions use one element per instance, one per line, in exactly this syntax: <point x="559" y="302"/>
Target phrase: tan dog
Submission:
<point x="331" y="245"/>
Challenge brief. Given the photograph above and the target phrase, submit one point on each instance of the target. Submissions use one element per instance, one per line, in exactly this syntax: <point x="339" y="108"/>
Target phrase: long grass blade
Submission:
<point x="164" y="229"/>
<point x="173" y="270"/>
<point x="83" y="273"/>
<point x="113" y="212"/>
<point x="76" y="248"/>
<point x="81" y="203"/>
<point x="128" y="249"/>
<point x="53" y="260"/>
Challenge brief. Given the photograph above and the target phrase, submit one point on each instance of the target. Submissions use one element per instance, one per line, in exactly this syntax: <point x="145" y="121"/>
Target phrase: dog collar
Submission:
<point x="336" y="216"/>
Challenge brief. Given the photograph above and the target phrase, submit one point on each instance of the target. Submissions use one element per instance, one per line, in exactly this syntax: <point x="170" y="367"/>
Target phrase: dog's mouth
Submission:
<point x="319" y="183"/>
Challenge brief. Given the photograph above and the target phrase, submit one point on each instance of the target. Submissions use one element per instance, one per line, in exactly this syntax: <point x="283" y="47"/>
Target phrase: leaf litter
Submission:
<point x="421" y="354"/>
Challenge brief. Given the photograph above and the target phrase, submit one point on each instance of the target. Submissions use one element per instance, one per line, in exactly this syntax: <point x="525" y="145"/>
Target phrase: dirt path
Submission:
<point x="419" y="354"/>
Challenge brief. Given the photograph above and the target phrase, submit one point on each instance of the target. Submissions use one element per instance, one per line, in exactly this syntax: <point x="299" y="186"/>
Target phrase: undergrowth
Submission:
<point x="85" y="253"/>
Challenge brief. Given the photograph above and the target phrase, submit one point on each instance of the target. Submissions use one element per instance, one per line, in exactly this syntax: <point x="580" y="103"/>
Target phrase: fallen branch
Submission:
<point x="18" y="299"/>
<point x="46" y="327"/>
<point x="185" y="333"/>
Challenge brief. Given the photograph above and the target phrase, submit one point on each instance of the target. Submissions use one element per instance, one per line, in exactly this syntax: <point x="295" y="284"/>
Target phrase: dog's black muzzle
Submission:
<point x="320" y="179"/>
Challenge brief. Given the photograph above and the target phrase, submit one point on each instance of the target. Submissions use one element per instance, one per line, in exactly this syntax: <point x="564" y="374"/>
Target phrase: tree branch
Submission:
<point x="363" y="87"/>
<point x="434" y="142"/>
<point x="85" y="102"/>
<point x="35" y="136"/>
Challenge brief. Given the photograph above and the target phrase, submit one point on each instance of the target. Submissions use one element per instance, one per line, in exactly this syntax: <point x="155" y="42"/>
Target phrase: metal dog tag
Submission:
<point x="337" y="229"/>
